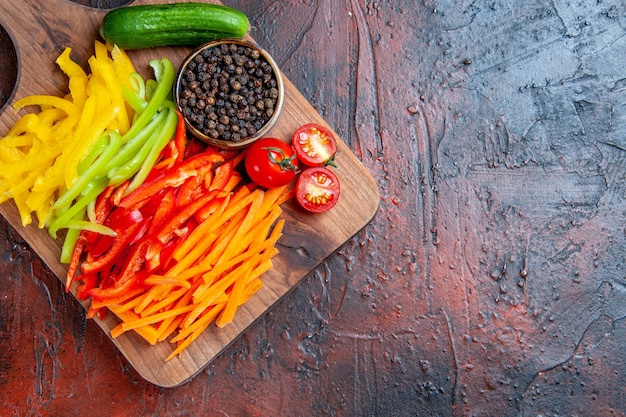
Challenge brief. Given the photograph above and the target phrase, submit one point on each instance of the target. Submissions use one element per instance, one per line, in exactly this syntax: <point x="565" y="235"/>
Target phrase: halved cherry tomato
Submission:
<point x="271" y="163"/>
<point x="317" y="189"/>
<point x="314" y="145"/>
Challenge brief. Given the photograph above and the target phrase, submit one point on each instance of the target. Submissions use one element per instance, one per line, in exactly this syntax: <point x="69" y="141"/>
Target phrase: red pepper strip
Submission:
<point x="153" y="254"/>
<point x="117" y="196"/>
<point x="177" y="220"/>
<point x="89" y="281"/>
<point x="79" y="246"/>
<point x="194" y="147"/>
<point x="180" y="137"/>
<point x="103" y="207"/>
<point x="188" y="191"/>
<point x="128" y="278"/>
<point x="160" y="255"/>
<point x="162" y="212"/>
<point x="93" y="312"/>
<point x="137" y="288"/>
<point x="171" y="178"/>
<point x="98" y="245"/>
<point x="222" y="175"/>
<point x="168" y="157"/>
<point x="120" y="243"/>
<point x="208" y="209"/>
<point x="145" y="225"/>
<point x="167" y="253"/>
<point x="120" y="218"/>
<point x="104" y="204"/>
<point x="157" y="172"/>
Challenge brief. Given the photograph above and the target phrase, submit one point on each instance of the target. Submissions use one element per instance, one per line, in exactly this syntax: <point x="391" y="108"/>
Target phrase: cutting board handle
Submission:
<point x="8" y="67"/>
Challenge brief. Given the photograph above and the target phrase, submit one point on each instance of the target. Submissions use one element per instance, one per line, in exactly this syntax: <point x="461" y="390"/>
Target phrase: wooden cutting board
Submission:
<point x="40" y="31"/>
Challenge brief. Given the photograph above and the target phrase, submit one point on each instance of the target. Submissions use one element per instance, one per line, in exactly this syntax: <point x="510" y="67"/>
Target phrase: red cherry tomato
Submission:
<point x="314" y="145"/>
<point x="270" y="162"/>
<point x="317" y="189"/>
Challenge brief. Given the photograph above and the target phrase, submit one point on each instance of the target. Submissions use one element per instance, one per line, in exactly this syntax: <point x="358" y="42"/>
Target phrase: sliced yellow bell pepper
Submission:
<point x="77" y="77"/>
<point x="45" y="102"/>
<point x="40" y="155"/>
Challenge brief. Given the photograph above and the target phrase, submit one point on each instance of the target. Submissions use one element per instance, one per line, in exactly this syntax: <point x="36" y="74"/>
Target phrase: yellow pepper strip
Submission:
<point x="91" y="135"/>
<point x="25" y="125"/>
<point x="77" y="77"/>
<point x="23" y="209"/>
<point x="122" y="65"/>
<point x="69" y="67"/>
<point x="112" y="84"/>
<point x="20" y="187"/>
<point x="101" y="52"/>
<point x="45" y="102"/>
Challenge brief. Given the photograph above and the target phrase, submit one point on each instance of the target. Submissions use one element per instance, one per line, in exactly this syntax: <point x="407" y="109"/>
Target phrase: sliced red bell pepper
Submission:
<point x="104" y="204"/>
<point x="124" y="238"/>
<point x="209" y="208"/>
<point x="166" y="256"/>
<point x="176" y="221"/>
<point x="117" y="196"/>
<point x="192" y="187"/>
<point x="195" y="147"/>
<point x="164" y="209"/>
<point x="154" y="250"/>
<point x="180" y="137"/>
<point x="97" y="246"/>
<point x="167" y="159"/>
<point x="128" y="277"/>
<point x="89" y="281"/>
<point x="173" y="177"/>
<point x="222" y="175"/>
<point x="79" y="246"/>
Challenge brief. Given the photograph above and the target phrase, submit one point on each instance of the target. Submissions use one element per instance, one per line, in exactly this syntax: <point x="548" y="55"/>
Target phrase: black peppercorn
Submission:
<point x="228" y="92"/>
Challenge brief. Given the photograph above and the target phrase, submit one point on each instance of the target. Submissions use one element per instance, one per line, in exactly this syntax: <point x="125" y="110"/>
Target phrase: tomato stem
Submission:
<point x="331" y="161"/>
<point x="285" y="163"/>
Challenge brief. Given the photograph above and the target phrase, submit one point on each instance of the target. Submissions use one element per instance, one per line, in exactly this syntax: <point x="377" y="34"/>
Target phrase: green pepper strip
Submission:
<point x="135" y="96"/>
<point x="78" y="209"/>
<point x="99" y="147"/>
<point x="71" y="239"/>
<point x="131" y="148"/>
<point x="141" y="157"/>
<point x="158" y="144"/>
<point x="96" y="170"/>
<point x="164" y="75"/>
<point x="77" y="224"/>
<point x="150" y="88"/>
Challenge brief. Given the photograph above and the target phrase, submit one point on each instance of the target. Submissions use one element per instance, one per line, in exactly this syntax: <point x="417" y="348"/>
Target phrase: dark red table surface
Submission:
<point x="491" y="281"/>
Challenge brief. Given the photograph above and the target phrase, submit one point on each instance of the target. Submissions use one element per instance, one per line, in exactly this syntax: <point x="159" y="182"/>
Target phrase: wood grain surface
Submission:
<point x="308" y="239"/>
<point x="491" y="282"/>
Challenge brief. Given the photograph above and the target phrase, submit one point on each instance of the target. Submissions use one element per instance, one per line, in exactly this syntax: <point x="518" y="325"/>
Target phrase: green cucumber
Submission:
<point x="175" y="24"/>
